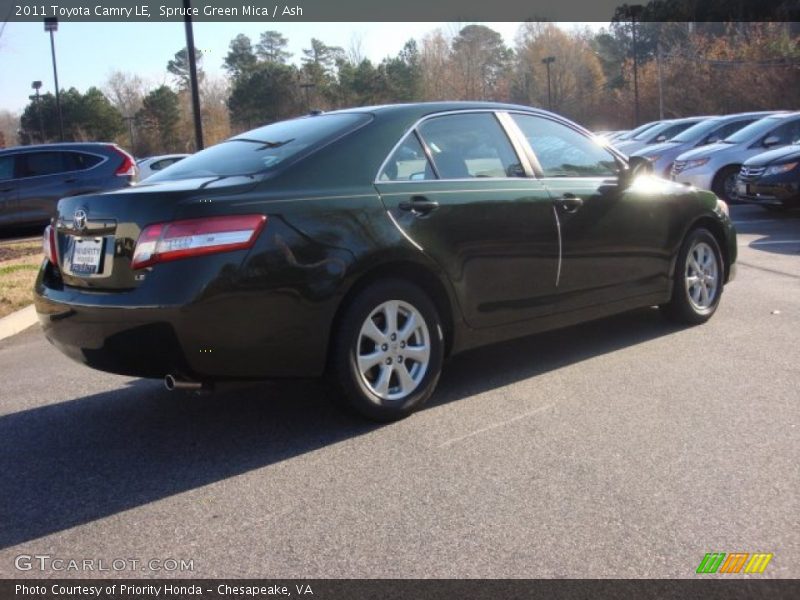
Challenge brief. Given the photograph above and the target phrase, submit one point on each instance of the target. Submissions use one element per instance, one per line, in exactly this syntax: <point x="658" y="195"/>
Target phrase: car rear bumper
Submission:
<point x="258" y="335"/>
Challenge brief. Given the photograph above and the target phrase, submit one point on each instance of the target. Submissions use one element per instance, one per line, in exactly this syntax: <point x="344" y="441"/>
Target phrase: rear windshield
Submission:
<point x="263" y="149"/>
<point x="752" y="131"/>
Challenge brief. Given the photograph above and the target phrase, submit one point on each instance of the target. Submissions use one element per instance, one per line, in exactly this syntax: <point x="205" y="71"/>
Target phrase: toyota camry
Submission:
<point x="368" y="245"/>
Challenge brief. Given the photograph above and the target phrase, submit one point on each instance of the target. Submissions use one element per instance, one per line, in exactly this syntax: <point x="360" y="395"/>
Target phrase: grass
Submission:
<point x="19" y="264"/>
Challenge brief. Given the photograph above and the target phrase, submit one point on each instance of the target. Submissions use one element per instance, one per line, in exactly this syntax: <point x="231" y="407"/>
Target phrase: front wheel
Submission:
<point x="724" y="184"/>
<point x="698" y="279"/>
<point x="387" y="352"/>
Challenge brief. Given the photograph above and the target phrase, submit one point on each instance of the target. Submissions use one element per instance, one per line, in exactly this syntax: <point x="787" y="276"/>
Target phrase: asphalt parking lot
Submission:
<point x="627" y="447"/>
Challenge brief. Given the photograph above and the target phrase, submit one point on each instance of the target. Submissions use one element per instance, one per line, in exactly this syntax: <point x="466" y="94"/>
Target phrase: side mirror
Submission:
<point x="713" y="139"/>
<point x="637" y="165"/>
<point x="661" y="138"/>
<point x="772" y="140"/>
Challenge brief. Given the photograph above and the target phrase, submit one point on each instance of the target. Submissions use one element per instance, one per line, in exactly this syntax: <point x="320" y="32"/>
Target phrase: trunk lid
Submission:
<point x="96" y="234"/>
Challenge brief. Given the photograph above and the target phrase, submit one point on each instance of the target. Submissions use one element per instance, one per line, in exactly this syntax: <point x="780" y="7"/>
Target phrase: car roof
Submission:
<point x="58" y="146"/>
<point x="421" y="109"/>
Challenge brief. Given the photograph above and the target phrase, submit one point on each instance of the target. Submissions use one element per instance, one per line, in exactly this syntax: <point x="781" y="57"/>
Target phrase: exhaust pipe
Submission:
<point x="173" y="383"/>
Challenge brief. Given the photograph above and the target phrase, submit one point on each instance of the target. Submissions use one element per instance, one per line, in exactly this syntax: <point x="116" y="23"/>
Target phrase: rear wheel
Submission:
<point x="387" y="353"/>
<point x="724" y="184"/>
<point x="697" y="281"/>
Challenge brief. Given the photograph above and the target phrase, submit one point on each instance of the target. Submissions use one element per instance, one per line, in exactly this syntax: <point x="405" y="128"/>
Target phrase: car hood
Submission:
<point x="706" y="151"/>
<point x="778" y="155"/>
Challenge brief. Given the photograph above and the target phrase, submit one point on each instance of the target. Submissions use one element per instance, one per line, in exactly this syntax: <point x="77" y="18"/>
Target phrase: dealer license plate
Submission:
<point x="86" y="256"/>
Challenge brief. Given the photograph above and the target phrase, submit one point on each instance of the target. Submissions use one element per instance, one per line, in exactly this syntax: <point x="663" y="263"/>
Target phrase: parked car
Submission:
<point x="614" y="135"/>
<point x="710" y="131"/>
<point x="716" y="166"/>
<point x="772" y="179"/>
<point x="628" y="135"/>
<point x="153" y="164"/>
<point x="661" y="132"/>
<point x="33" y="178"/>
<point x="369" y="244"/>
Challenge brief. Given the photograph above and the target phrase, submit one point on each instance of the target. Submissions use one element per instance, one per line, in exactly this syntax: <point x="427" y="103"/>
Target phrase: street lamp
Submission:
<point x="190" y="54"/>
<point x="634" y="11"/>
<point x="51" y="25"/>
<point x="36" y="86"/>
<point x="548" y="60"/>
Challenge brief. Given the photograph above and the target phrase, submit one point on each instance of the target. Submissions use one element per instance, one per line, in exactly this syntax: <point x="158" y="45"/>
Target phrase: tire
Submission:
<point x="689" y="304"/>
<point x="719" y="186"/>
<point x="387" y="384"/>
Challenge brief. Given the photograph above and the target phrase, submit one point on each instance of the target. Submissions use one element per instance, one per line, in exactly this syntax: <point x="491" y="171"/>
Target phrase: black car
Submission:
<point x="34" y="178"/>
<point x="369" y="244"/>
<point x="772" y="179"/>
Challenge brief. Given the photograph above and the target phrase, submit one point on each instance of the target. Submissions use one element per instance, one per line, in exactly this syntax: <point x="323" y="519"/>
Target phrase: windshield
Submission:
<point x="637" y="131"/>
<point x="752" y="131"/>
<point x="697" y="131"/>
<point x="263" y="149"/>
<point x="652" y="131"/>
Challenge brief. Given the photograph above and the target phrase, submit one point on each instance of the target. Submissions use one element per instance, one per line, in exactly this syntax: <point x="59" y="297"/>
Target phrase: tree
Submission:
<point x="9" y="126"/>
<point x="480" y="59"/>
<point x="263" y="95"/>
<point x="271" y="47"/>
<point x="86" y="117"/>
<point x="125" y="91"/>
<point x="241" y="57"/>
<point x="179" y="68"/>
<point x="158" y="121"/>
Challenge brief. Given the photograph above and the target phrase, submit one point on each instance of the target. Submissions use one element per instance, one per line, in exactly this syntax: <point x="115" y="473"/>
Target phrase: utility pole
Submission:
<point x="190" y="52"/>
<point x="634" y="11"/>
<point x="51" y="26"/>
<point x="130" y="121"/>
<point x="659" y="59"/>
<point x="36" y="85"/>
<point x="548" y="60"/>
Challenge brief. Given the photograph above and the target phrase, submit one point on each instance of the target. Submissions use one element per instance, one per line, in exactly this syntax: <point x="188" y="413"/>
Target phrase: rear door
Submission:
<point x="8" y="188"/>
<point x="460" y="191"/>
<point x="44" y="178"/>
<point x="614" y="240"/>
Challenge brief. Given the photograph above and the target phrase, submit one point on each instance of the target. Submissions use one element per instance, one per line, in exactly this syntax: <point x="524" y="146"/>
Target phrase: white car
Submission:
<point x="716" y="166"/>
<point x="153" y="164"/>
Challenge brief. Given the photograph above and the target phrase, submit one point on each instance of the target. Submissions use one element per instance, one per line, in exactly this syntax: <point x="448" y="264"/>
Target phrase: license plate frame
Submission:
<point x="86" y="256"/>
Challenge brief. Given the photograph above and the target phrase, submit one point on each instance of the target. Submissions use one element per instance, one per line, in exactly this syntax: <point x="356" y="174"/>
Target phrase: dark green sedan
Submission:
<point x="369" y="244"/>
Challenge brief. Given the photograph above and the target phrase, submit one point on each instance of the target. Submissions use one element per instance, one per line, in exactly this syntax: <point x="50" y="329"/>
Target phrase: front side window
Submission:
<point x="407" y="163"/>
<point x="564" y="152"/>
<point x="786" y="133"/>
<point x="470" y="145"/>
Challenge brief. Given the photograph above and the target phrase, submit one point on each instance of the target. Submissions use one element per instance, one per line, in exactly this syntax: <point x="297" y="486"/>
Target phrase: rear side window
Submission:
<point x="6" y="167"/>
<point x="408" y="163"/>
<point x="470" y="145"/>
<point x="562" y="151"/>
<point x="80" y="161"/>
<point x="264" y="149"/>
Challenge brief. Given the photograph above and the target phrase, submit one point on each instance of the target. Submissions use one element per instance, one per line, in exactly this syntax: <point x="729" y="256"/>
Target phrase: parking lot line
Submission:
<point x="771" y="242"/>
<point x="494" y="426"/>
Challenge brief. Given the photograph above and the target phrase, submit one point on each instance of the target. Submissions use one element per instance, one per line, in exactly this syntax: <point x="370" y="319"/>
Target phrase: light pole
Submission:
<point x="36" y="86"/>
<point x="130" y="121"/>
<point x="548" y="60"/>
<point x="51" y="25"/>
<point x="190" y="53"/>
<point x="634" y="11"/>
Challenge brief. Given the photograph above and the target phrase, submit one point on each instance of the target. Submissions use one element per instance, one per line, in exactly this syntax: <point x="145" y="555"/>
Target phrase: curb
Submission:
<point x="17" y="321"/>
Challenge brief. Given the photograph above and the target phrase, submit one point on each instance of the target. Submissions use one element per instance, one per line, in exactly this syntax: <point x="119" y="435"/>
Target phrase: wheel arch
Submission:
<point x="718" y="231"/>
<point x="414" y="272"/>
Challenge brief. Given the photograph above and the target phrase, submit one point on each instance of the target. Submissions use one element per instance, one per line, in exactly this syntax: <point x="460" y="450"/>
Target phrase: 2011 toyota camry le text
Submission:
<point x="367" y="245"/>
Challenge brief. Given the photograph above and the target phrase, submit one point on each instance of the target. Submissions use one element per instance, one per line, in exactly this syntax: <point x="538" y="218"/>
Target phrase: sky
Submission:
<point x="87" y="53"/>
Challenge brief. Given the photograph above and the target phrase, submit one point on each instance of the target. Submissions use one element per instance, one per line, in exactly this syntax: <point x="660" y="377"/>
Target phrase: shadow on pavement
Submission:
<point x="70" y="463"/>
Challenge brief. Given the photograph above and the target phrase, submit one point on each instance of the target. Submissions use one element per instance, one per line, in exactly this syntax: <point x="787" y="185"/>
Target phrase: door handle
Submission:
<point x="569" y="203"/>
<point x="418" y="205"/>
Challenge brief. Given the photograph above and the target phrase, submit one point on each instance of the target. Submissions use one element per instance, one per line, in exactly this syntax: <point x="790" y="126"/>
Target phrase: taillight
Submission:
<point x="128" y="166"/>
<point x="163" y="242"/>
<point x="49" y="244"/>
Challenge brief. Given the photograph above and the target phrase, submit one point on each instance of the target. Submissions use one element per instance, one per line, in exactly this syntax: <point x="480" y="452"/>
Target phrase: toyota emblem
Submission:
<point x="79" y="219"/>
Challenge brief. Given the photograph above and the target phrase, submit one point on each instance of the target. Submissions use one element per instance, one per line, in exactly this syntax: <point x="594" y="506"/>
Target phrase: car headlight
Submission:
<point x="722" y="207"/>
<point x="693" y="164"/>
<point x="778" y="169"/>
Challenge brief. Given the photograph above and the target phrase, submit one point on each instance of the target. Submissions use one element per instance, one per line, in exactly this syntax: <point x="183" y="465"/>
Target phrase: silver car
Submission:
<point x="710" y="131"/>
<point x="662" y="132"/>
<point x="715" y="167"/>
